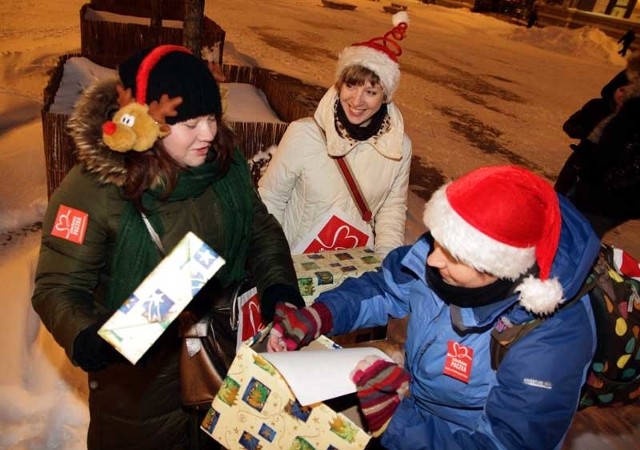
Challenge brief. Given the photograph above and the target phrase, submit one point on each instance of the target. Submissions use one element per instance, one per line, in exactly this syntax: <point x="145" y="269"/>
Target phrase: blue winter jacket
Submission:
<point x="529" y="402"/>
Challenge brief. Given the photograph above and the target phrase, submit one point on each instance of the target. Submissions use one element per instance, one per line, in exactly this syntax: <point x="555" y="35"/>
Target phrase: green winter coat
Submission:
<point x="135" y="407"/>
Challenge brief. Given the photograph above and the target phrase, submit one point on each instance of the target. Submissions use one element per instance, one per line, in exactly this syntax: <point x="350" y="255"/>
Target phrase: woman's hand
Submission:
<point x="381" y="385"/>
<point x="295" y="327"/>
<point x="275" y="342"/>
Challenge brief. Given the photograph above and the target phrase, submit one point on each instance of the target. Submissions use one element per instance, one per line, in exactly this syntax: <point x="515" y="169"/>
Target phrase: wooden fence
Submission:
<point x="289" y="97"/>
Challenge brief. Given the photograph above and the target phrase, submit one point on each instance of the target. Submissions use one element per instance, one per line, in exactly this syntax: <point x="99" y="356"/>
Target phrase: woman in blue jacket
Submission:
<point x="503" y="248"/>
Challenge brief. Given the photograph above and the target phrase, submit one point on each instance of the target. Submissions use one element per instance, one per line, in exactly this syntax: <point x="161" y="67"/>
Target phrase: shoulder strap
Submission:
<point x="154" y="235"/>
<point x="502" y="338"/>
<point x="352" y="184"/>
<point x="354" y="188"/>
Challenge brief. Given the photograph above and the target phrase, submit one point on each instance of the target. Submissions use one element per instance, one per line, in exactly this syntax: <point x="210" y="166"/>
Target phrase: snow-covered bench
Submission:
<point x="394" y="8"/>
<point x="339" y="5"/>
<point x="260" y="104"/>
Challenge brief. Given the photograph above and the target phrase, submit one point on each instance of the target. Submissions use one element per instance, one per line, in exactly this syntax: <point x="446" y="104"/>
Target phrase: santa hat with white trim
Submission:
<point x="379" y="55"/>
<point x="502" y="220"/>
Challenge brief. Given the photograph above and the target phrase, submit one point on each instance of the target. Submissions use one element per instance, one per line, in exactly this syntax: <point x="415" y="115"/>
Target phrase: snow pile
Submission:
<point x="588" y="42"/>
<point x="43" y="396"/>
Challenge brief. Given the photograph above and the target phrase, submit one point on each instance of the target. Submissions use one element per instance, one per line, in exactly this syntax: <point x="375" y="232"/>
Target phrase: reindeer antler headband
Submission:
<point x="137" y="126"/>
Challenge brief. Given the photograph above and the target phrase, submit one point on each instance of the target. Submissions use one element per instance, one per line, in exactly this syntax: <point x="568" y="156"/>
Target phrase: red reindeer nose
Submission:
<point x="108" y="128"/>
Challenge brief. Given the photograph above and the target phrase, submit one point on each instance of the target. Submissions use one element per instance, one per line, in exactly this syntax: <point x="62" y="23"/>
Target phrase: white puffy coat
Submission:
<point x="303" y="182"/>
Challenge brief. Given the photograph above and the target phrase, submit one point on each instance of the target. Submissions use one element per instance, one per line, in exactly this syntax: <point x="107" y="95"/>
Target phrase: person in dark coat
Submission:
<point x="533" y="17"/>
<point x="582" y="122"/>
<point x="191" y="179"/>
<point x="626" y="40"/>
<point x="608" y="187"/>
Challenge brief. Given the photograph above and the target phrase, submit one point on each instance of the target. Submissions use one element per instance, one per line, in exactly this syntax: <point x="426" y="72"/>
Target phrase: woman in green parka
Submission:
<point x="152" y="142"/>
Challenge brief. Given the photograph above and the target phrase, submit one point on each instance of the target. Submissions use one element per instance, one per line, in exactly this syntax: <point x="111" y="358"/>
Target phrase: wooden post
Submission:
<point x="156" y="20"/>
<point x="193" y="24"/>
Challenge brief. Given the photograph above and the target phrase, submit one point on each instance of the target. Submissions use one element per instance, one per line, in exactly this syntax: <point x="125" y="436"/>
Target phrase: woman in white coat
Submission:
<point x="355" y="121"/>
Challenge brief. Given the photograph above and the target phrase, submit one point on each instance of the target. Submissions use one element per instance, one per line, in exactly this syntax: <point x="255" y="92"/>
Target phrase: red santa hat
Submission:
<point x="502" y="220"/>
<point x="379" y="54"/>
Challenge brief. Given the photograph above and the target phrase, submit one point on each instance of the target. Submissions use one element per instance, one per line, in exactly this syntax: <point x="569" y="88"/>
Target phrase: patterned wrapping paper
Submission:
<point x="161" y="296"/>
<point x="319" y="272"/>
<point x="255" y="409"/>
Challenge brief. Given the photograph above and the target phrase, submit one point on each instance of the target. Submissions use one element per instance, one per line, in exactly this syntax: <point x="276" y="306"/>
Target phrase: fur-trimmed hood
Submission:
<point x="95" y="107"/>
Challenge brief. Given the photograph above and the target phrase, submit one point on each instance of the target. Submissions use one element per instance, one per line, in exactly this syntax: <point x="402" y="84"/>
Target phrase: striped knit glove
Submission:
<point x="381" y="385"/>
<point x="299" y="326"/>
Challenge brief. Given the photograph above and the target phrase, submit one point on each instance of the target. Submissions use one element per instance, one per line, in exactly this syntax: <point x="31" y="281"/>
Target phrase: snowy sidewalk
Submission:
<point x="43" y="397"/>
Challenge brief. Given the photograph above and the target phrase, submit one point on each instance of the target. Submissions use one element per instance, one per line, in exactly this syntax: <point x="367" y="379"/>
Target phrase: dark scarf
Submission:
<point x="468" y="297"/>
<point x="356" y="132"/>
<point x="135" y="254"/>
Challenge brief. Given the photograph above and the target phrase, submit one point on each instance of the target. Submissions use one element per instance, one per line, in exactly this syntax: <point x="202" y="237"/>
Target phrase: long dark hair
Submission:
<point x="156" y="168"/>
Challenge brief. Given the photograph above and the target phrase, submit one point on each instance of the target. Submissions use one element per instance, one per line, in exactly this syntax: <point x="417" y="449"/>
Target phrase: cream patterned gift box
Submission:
<point x="319" y="272"/>
<point x="256" y="409"/>
<point x="161" y="296"/>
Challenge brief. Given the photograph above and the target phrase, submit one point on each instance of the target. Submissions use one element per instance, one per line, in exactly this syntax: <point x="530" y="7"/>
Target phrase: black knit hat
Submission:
<point x="172" y="70"/>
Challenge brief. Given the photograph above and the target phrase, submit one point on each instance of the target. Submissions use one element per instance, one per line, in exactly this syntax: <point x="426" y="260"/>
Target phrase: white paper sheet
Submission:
<point x="318" y="375"/>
